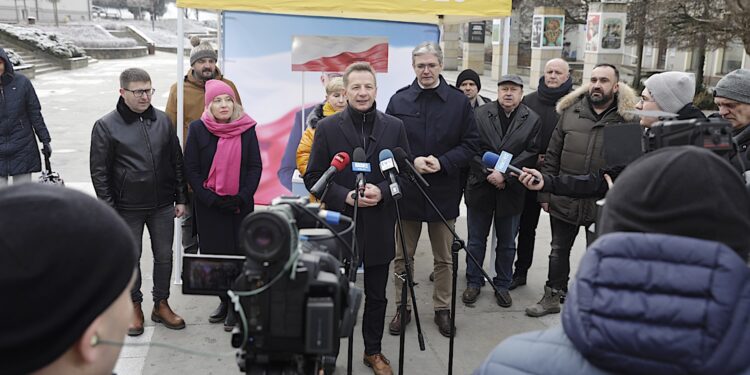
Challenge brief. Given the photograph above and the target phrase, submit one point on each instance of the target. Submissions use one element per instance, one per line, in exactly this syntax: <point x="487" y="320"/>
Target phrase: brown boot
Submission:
<point x="394" y="328"/>
<point x="136" y="326"/>
<point x="378" y="363"/>
<point x="162" y="313"/>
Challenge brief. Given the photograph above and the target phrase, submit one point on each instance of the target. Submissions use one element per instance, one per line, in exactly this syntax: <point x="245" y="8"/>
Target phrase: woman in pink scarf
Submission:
<point x="223" y="167"/>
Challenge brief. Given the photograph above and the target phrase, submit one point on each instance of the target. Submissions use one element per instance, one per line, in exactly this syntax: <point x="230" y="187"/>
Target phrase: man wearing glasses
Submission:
<point x="136" y="167"/>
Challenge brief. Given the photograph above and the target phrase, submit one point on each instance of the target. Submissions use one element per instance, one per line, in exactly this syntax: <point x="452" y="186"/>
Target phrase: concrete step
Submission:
<point x="49" y="69"/>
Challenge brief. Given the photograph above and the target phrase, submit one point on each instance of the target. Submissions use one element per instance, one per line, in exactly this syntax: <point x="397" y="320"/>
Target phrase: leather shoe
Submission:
<point x="219" y="314"/>
<point x="470" y="295"/>
<point x="136" y="326"/>
<point x="443" y="321"/>
<point x="162" y="313"/>
<point x="378" y="363"/>
<point x="394" y="328"/>
<point x="517" y="281"/>
<point x="503" y="298"/>
<point x="230" y="321"/>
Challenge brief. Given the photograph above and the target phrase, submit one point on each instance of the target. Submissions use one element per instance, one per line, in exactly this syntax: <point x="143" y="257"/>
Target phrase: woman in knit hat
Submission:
<point x="670" y="92"/>
<point x="223" y="166"/>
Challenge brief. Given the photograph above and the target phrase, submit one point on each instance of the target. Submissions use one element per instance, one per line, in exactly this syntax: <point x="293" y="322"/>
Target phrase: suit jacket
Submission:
<point x="375" y="225"/>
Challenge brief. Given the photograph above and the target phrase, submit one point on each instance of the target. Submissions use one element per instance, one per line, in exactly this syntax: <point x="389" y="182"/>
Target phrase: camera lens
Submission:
<point x="262" y="237"/>
<point x="265" y="237"/>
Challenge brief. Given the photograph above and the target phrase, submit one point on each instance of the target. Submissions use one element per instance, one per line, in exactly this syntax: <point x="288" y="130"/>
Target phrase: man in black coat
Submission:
<point x="732" y="96"/>
<point x="136" y="167"/>
<point x="442" y="134"/>
<point x="555" y="84"/>
<point x="362" y="125"/>
<point x="491" y="196"/>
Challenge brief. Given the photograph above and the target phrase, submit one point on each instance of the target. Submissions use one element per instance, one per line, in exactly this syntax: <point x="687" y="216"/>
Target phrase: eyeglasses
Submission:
<point x="644" y="99"/>
<point x="140" y="93"/>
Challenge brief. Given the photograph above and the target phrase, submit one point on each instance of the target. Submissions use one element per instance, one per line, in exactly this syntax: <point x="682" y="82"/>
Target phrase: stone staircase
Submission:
<point x="41" y="65"/>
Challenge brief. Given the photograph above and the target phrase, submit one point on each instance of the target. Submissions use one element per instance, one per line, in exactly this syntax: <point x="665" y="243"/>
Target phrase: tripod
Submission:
<point x="456" y="246"/>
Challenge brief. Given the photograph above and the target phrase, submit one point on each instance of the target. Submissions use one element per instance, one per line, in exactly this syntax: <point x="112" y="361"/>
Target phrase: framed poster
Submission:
<point x="536" y="31"/>
<point x="613" y="31"/>
<point x="552" y="38"/>
<point x="593" y="22"/>
<point x="476" y="32"/>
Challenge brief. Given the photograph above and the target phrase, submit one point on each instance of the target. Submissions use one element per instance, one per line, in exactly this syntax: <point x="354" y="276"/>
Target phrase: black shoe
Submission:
<point x="517" y="281"/>
<point x="220" y="313"/>
<point x="443" y="321"/>
<point x="503" y="298"/>
<point x="231" y="321"/>
<point x="432" y="276"/>
<point x="470" y="295"/>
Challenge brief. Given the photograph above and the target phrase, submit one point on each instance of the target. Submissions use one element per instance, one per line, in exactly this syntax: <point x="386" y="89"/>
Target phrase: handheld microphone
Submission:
<point x="387" y="167"/>
<point x="338" y="163"/>
<point x="501" y="163"/>
<point x="403" y="159"/>
<point x="360" y="164"/>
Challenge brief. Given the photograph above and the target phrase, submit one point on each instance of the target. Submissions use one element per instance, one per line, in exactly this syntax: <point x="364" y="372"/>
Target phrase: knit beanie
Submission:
<point x="64" y="259"/>
<point x="735" y="86"/>
<point x="201" y="50"/>
<point x="684" y="191"/>
<point x="214" y="88"/>
<point x="470" y="75"/>
<point x="671" y="90"/>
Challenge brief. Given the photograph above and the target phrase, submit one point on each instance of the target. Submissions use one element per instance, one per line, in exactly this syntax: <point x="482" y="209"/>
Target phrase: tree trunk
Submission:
<point x="699" y="62"/>
<point x="640" y="36"/>
<point x="54" y="9"/>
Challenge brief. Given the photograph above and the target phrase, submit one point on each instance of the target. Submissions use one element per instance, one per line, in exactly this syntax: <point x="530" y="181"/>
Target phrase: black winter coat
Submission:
<point x="439" y="123"/>
<point x="521" y="141"/>
<point x="218" y="232"/>
<point x="548" y="117"/>
<point x="137" y="164"/>
<point x="20" y="119"/>
<point x="375" y="225"/>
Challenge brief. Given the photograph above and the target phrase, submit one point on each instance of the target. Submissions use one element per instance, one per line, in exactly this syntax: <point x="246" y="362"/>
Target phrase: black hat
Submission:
<point x="512" y="78"/>
<point x="685" y="191"/>
<point x="470" y="75"/>
<point x="64" y="259"/>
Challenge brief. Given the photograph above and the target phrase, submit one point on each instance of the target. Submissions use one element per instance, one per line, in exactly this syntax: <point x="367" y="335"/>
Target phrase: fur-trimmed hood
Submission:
<point x="626" y="100"/>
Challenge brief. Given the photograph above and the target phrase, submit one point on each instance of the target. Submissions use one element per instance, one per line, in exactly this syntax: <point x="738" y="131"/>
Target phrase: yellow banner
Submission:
<point x="423" y="11"/>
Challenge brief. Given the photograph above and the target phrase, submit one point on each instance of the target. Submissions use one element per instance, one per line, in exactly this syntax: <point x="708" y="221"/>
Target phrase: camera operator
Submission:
<point x="664" y="290"/>
<point x="362" y="125"/>
<point x="732" y="96"/>
<point x="67" y="264"/>
<point x="666" y="92"/>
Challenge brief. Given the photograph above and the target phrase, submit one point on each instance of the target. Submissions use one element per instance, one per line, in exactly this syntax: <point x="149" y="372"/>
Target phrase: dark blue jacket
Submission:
<point x="441" y="124"/>
<point x="20" y="119"/>
<point x="643" y="304"/>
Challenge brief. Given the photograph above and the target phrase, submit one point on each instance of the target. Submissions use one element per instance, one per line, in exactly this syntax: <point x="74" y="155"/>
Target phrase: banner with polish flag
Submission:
<point x="312" y="53"/>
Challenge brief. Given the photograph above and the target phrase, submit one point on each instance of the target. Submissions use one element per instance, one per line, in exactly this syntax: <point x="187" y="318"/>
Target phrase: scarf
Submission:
<point x="130" y="117"/>
<point x="551" y="96"/>
<point x="224" y="175"/>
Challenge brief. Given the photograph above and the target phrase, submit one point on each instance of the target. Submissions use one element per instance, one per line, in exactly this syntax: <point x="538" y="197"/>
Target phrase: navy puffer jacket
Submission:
<point x="661" y="304"/>
<point x="20" y="119"/>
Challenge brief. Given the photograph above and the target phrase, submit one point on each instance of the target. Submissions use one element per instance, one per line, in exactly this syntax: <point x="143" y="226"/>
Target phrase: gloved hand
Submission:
<point x="47" y="150"/>
<point x="227" y="204"/>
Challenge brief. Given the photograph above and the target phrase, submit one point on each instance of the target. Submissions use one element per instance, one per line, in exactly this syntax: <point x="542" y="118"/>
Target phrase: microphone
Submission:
<point x="403" y="159"/>
<point x="339" y="161"/>
<point x="387" y="167"/>
<point x="360" y="165"/>
<point x="501" y="163"/>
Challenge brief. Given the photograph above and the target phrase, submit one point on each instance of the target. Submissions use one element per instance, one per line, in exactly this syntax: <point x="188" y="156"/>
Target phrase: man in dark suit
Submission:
<point x="362" y="125"/>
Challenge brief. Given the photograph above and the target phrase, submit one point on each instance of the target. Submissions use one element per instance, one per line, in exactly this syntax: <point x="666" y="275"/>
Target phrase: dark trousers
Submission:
<point x="527" y="234"/>
<point x="373" y="318"/>
<point x="506" y="227"/>
<point x="563" y="236"/>
<point x="160" y="224"/>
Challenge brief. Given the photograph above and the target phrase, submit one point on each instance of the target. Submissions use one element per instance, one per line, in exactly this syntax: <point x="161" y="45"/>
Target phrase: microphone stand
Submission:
<point x="406" y="280"/>
<point x="352" y="274"/>
<point x="457" y="245"/>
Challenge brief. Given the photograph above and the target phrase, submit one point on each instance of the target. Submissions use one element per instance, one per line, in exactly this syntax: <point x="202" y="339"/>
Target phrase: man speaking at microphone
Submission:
<point x="361" y="125"/>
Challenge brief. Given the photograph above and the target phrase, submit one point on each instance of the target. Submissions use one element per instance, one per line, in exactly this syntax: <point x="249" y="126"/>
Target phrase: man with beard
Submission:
<point x="468" y="81"/>
<point x="577" y="148"/>
<point x="202" y="68"/>
<point x="732" y="95"/>
<point x="555" y="84"/>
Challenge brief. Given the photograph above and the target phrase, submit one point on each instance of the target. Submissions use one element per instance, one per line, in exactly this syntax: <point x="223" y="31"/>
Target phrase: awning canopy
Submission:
<point x="421" y="11"/>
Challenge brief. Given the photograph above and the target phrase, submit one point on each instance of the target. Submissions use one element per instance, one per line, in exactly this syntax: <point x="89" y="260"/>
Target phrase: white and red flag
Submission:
<point x="335" y="53"/>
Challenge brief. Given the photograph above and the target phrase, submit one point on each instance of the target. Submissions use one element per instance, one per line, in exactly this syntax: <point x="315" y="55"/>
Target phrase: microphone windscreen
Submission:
<point x="400" y="153"/>
<point x="489" y="159"/>
<point x="359" y="155"/>
<point x="340" y="161"/>
<point x="385" y="154"/>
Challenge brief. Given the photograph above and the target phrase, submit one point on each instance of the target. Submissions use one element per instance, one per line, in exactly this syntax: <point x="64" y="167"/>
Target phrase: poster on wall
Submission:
<point x="536" y="32"/>
<point x="613" y="31"/>
<point x="280" y="64"/>
<point x="592" y="32"/>
<point x="552" y="38"/>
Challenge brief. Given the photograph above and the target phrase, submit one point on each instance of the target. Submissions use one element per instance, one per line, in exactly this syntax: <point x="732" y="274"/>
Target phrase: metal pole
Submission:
<point x="177" y="240"/>
<point x="506" y="45"/>
<point x="18" y="17"/>
<point x="220" y="39"/>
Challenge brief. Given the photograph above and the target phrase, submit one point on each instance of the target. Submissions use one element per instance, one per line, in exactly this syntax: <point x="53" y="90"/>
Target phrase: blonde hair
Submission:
<point x="237" y="112"/>
<point x="335" y="84"/>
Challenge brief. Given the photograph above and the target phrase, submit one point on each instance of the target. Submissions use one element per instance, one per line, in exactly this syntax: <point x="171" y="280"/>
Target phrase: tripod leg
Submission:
<point x="454" y="253"/>
<point x="402" y="338"/>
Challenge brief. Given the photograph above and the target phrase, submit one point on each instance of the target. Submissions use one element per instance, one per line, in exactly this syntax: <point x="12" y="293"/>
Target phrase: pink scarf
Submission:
<point x="224" y="176"/>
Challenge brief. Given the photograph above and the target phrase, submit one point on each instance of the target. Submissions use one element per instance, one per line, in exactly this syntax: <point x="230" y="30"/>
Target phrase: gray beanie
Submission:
<point x="735" y="86"/>
<point x="202" y="50"/>
<point x="671" y="90"/>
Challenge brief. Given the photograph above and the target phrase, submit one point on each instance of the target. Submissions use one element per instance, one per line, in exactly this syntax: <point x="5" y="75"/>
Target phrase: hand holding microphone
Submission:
<point x="501" y="163"/>
<point x="532" y="179"/>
